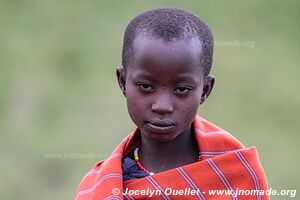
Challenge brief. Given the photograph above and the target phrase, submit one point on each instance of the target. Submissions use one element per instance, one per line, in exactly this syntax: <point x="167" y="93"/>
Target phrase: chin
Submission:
<point x="162" y="138"/>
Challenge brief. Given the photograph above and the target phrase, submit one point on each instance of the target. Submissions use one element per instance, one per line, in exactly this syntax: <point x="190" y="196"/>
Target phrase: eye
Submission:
<point x="182" y="90"/>
<point x="145" y="87"/>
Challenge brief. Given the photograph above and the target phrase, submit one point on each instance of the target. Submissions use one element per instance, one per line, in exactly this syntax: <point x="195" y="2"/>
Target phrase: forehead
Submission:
<point x="187" y="49"/>
<point x="183" y="54"/>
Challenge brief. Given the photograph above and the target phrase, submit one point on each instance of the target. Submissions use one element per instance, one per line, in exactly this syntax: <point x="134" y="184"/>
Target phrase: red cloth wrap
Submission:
<point x="226" y="165"/>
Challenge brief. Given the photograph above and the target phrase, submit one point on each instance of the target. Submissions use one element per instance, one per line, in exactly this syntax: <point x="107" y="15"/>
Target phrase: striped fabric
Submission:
<point x="226" y="165"/>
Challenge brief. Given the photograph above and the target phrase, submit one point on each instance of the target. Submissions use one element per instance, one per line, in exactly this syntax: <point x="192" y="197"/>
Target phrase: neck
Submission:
<point x="158" y="156"/>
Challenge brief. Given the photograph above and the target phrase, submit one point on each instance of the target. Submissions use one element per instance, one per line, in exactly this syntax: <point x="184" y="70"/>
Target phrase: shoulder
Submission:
<point x="98" y="164"/>
<point x="90" y="177"/>
<point x="215" y="138"/>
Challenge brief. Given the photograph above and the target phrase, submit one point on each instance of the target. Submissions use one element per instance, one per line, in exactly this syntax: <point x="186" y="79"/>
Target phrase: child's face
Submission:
<point x="164" y="86"/>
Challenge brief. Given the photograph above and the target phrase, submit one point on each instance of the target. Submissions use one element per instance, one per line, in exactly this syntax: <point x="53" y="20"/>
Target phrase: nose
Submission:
<point x="162" y="105"/>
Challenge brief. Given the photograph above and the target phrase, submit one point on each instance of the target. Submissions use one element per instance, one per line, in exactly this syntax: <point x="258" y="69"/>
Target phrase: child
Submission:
<point x="173" y="153"/>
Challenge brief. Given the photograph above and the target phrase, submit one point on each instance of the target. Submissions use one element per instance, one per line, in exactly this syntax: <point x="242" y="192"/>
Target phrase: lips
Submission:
<point x="161" y="126"/>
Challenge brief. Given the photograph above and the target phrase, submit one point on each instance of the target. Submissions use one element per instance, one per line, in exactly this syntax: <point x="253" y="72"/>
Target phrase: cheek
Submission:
<point x="132" y="107"/>
<point x="135" y="105"/>
<point x="189" y="108"/>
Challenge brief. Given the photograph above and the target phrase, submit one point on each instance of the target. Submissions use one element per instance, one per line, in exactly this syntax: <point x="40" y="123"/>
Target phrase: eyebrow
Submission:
<point x="143" y="75"/>
<point x="185" y="77"/>
<point x="180" y="78"/>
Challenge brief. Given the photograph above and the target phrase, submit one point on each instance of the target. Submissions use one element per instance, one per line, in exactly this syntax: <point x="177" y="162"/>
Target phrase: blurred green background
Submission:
<point x="61" y="109"/>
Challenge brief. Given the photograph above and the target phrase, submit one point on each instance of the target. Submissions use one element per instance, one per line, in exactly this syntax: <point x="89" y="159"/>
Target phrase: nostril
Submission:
<point x="162" y="108"/>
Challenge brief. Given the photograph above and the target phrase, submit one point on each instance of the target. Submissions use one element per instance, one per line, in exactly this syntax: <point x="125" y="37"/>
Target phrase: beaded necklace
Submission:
<point x="136" y="158"/>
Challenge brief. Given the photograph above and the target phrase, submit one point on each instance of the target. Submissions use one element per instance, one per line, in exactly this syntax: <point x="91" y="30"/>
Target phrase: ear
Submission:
<point x="207" y="87"/>
<point x="121" y="76"/>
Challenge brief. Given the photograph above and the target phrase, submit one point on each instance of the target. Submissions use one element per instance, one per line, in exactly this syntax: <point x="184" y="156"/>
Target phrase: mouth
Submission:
<point x="161" y="126"/>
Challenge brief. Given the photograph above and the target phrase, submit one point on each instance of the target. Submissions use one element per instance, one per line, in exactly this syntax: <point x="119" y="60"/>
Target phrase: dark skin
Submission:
<point x="164" y="86"/>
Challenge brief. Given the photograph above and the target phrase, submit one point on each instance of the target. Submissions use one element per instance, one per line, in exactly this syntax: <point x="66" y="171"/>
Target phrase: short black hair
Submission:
<point x="169" y="24"/>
